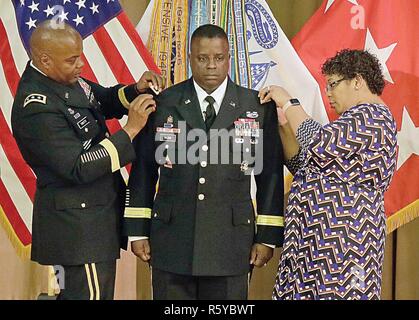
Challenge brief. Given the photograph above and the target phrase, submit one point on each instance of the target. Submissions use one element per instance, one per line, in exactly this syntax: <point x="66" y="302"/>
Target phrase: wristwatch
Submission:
<point x="291" y="102"/>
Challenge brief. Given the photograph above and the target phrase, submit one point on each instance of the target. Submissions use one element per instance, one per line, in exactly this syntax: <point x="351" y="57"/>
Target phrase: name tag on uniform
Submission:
<point x="167" y="137"/>
<point x="83" y="122"/>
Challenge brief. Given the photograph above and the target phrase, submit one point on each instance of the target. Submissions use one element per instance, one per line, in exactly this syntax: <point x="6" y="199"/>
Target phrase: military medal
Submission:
<point x="169" y="122"/>
<point x="252" y="114"/>
<point x="246" y="127"/>
<point x="83" y="122"/>
<point x="244" y="166"/>
<point x="168" y="130"/>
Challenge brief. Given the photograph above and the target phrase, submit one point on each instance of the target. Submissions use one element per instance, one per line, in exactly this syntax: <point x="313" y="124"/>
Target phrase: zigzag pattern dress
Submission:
<point x="335" y="221"/>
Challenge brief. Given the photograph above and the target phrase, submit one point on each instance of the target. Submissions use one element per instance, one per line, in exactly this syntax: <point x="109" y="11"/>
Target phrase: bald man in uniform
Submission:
<point x="58" y="120"/>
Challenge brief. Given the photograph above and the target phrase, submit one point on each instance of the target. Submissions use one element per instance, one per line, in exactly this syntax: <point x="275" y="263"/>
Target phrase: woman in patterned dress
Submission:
<point x="335" y="221"/>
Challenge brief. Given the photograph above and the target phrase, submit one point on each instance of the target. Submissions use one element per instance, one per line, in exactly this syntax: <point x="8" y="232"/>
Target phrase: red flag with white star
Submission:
<point x="388" y="29"/>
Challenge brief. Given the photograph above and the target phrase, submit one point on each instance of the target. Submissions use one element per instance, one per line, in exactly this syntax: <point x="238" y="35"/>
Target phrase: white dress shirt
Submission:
<point x="218" y="96"/>
<point x="33" y="66"/>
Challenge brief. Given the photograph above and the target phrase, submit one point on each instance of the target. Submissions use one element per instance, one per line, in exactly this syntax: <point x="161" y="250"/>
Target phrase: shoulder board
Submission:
<point x="35" y="97"/>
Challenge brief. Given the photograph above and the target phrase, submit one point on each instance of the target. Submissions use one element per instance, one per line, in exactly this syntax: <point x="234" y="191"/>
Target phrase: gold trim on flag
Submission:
<point x="403" y="216"/>
<point x="22" y="250"/>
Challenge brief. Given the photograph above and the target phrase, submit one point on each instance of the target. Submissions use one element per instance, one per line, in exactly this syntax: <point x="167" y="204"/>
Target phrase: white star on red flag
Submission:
<point x="391" y="33"/>
<point x="330" y="2"/>
<point x="383" y="54"/>
<point x="407" y="145"/>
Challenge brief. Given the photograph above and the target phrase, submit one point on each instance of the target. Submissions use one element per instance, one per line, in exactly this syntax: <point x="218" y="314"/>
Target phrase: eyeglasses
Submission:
<point x="334" y="84"/>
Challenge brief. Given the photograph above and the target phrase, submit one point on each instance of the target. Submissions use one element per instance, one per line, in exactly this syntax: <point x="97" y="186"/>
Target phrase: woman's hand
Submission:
<point x="282" y="120"/>
<point x="276" y="93"/>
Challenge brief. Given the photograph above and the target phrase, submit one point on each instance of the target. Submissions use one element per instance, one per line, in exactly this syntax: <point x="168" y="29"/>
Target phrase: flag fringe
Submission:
<point x="403" y="216"/>
<point x="22" y="251"/>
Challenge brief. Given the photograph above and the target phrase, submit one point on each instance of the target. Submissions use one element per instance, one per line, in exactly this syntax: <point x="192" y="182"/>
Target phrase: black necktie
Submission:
<point x="210" y="112"/>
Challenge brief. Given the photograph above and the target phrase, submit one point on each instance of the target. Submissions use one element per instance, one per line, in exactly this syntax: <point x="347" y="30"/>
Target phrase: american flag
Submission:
<point x="113" y="53"/>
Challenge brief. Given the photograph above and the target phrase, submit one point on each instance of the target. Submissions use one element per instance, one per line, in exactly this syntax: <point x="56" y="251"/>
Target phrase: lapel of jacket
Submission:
<point x="230" y="108"/>
<point x="75" y="96"/>
<point x="189" y="107"/>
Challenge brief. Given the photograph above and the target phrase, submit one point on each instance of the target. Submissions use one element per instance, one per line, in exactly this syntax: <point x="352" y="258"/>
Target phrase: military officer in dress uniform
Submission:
<point x="58" y="120"/>
<point x="199" y="231"/>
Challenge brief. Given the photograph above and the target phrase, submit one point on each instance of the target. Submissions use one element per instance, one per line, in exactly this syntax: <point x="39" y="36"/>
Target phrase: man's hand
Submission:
<point x="141" y="248"/>
<point x="139" y="111"/>
<point x="260" y="255"/>
<point x="150" y="78"/>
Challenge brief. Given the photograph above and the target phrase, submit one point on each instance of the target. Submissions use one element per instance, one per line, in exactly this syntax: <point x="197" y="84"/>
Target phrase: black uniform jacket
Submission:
<point x="62" y="135"/>
<point x="202" y="220"/>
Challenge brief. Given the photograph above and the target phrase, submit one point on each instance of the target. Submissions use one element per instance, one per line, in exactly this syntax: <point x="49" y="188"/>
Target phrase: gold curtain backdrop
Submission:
<point x="23" y="279"/>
